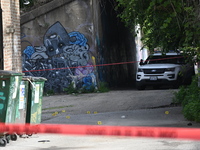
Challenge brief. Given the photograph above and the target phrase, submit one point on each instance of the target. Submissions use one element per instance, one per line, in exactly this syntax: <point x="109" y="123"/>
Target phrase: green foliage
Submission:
<point x="168" y="24"/>
<point x="189" y="98"/>
<point x="192" y="111"/>
<point x="103" y="87"/>
<point x="180" y="95"/>
<point x="71" y="89"/>
<point x="48" y="93"/>
<point x="192" y="93"/>
<point x="91" y="89"/>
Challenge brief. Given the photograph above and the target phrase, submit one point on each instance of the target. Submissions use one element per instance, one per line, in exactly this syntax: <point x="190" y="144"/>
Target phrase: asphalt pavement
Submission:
<point x="167" y="116"/>
<point x="118" y="107"/>
<point x="162" y="117"/>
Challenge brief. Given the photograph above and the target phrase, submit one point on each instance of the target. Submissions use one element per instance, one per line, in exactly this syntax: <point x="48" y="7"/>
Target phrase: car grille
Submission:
<point x="153" y="71"/>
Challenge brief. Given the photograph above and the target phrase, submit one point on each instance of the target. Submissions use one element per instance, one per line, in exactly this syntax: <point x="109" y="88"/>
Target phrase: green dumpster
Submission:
<point x="9" y="95"/>
<point x="34" y="103"/>
<point x="21" y="107"/>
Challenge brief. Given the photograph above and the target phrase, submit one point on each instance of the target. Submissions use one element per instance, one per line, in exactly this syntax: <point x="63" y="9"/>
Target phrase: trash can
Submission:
<point x="9" y="98"/>
<point x="9" y="95"/>
<point x="21" y="107"/>
<point x="34" y="103"/>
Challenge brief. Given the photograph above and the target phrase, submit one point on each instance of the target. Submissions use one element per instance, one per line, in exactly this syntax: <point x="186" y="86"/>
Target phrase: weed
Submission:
<point x="48" y="93"/>
<point x="90" y="89"/>
<point x="103" y="87"/>
<point x="71" y="89"/>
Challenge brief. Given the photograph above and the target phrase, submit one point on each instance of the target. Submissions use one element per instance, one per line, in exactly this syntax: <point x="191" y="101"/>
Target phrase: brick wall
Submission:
<point x="11" y="35"/>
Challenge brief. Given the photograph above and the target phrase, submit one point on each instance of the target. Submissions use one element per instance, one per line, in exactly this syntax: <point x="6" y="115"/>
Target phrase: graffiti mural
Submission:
<point x="64" y="58"/>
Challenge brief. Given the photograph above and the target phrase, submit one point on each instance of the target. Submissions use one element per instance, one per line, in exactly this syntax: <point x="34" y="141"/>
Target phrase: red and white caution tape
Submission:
<point x="153" y="132"/>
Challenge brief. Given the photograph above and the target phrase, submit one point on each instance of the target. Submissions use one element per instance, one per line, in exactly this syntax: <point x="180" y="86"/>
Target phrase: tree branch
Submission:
<point x="176" y="14"/>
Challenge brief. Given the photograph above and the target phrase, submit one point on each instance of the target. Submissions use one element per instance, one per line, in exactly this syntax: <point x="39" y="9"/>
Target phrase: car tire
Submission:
<point x="178" y="82"/>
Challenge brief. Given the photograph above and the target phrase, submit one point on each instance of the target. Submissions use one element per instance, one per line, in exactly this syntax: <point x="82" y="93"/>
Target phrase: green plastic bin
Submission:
<point x="34" y="103"/>
<point x="9" y="95"/>
<point x="22" y="103"/>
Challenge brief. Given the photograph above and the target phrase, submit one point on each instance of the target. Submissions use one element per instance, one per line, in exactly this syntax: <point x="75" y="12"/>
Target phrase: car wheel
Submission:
<point x="178" y="82"/>
<point x="3" y="142"/>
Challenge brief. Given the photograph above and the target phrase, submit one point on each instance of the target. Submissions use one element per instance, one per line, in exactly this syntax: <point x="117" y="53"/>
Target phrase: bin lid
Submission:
<point x="26" y="78"/>
<point x="33" y="78"/>
<point x="10" y="73"/>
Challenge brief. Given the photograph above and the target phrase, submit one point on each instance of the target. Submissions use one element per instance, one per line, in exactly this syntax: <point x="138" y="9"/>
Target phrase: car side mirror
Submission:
<point x="141" y="62"/>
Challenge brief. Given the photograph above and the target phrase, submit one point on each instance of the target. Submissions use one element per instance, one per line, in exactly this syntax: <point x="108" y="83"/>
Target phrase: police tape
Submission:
<point x="126" y="131"/>
<point x="99" y="65"/>
<point x="88" y="66"/>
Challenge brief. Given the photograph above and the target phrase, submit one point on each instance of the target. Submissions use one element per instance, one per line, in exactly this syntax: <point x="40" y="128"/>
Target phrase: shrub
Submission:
<point x="187" y="93"/>
<point x="191" y="111"/>
<point x="192" y="92"/>
<point x="189" y="98"/>
<point x="180" y="95"/>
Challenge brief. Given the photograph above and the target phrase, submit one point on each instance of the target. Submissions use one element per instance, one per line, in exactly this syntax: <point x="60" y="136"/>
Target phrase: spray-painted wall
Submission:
<point x="64" y="41"/>
<point x="58" y="45"/>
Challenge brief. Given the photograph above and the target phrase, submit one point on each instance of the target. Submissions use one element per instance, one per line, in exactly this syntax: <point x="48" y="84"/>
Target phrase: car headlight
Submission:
<point x="140" y="70"/>
<point x="170" y="69"/>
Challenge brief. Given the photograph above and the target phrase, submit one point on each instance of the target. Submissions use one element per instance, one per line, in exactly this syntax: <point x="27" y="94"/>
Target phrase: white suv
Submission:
<point x="164" y="69"/>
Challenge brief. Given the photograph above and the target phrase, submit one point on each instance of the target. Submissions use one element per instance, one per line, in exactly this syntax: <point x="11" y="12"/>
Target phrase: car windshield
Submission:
<point x="165" y="59"/>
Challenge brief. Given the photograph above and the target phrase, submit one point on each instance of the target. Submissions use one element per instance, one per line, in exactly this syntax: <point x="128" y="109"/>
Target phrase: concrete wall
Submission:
<point x="58" y="44"/>
<point x="11" y="35"/>
<point x="64" y="40"/>
<point x="116" y="46"/>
